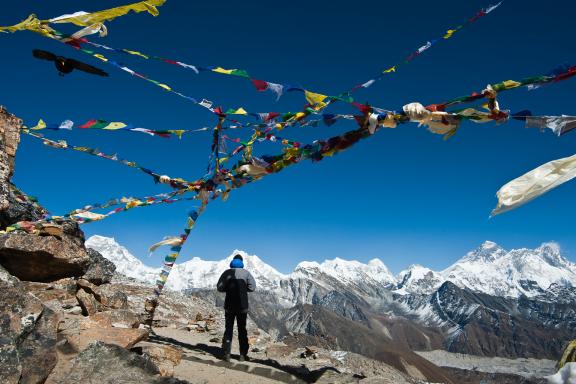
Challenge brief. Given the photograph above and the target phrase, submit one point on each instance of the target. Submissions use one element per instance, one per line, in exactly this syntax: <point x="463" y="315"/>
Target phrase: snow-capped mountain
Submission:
<point x="347" y="271"/>
<point x="192" y="274"/>
<point x="495" y="271"/>
<point x="126" y="263"/>
<point x="489" y="269"/>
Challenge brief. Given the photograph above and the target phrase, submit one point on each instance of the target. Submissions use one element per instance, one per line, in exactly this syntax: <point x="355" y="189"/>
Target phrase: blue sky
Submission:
<point x="405" y="196"/>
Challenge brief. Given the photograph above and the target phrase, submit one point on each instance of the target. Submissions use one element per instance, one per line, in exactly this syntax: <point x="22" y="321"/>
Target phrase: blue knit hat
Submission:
<point x="236" y="263"/>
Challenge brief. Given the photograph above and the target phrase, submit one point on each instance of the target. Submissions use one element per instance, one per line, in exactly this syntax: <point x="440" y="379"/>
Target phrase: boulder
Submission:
<point x="88" y="302"/>
<point x="101" y="270"/>
<point x="165" y="357"/>
<point x="111" y="296"/>
<point x="42" y="258"/>
<point x="122" y="337"/>
<point x="110" y="364"/>
<point x="116" y="318"/>
<point x="27" y="334"/>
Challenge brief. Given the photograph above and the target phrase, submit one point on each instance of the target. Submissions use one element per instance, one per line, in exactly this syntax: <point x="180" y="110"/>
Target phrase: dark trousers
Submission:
<point x="242" y="333"/>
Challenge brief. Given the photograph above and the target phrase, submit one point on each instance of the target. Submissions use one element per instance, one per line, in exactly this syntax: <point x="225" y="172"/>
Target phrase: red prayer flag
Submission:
<point x="260" y="85"/>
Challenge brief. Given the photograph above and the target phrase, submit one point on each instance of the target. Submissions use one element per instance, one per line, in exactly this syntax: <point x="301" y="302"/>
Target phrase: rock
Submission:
<point x="88" y="302"/>
<point x="332" y="376"/>
<point x="106" y="294"/>
<point x="77" y="310"/>
<point x="101" y="270"/>
<point x="51" y="230"/>
<point x="111" y="297"/>
<point x="199" y="317"/>
<point x="165" y="358"/>
<point x="55" y="298"/>
<point x="67" y="283"/>
<point x="116" y="318"/>
<point x="110" y="364"/>
<point x="27" y="334"/>
<point x="257" y="350"/>
<point x="42" y="258"/>
<point x="309" y="353"/>
<point x="125" y="338"/>
<point x="87" y="286"/>
<point x="215" y="340"/>
<point x="277" y="351"/>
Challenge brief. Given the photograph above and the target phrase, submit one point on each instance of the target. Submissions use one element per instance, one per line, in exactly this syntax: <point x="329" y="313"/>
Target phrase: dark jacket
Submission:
<point x="236" y="282"/>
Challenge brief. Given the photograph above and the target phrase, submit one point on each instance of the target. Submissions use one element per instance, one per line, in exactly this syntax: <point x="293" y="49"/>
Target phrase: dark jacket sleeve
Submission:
<point x="221" y="285"/>
<point x="250" y="283"/>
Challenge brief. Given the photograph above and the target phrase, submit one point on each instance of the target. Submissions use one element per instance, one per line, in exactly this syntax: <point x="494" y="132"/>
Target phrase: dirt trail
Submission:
<point x="201" y="363"/>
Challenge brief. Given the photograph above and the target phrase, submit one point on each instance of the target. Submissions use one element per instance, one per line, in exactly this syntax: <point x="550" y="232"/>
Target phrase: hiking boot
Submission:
<point x="226" y="357"/>
<point x="244" y="358"/>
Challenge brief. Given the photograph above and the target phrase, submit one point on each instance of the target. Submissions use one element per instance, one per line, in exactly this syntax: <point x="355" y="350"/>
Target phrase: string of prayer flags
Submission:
<point x="429" y="44"/>
<point x="175" y="250"/>
<point x="493" y="89"/>
<point x="112" y="126"/>
<point x="62" y="144"/>
<point x="535" y="183"/>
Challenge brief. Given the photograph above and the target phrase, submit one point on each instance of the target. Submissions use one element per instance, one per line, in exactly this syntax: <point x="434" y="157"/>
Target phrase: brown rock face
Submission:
<point x="12" y="207"/>
<point x="27" y="334"/>
<point x="165" y="357"/>
<point x="116" y="318"/>
<point x="125" y="338"/>
<point x="10" y="136"/>
<point x="42" y="258"/>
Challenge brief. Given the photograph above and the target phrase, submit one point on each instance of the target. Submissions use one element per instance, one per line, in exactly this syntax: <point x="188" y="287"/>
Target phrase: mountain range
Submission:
<point x="491" y="302"/>
<point x="489" y="269"/>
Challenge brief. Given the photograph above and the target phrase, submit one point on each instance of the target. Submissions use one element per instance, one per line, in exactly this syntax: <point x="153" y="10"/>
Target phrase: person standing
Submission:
<point x="236" y="282"/>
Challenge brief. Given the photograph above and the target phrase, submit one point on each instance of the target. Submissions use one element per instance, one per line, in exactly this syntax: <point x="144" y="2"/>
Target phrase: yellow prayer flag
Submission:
<point x="391" y="69"/>
<point x="164" y="86"/>
<point x="41" y="125"/>
<point x="115" y="125"/>
<point x="84" y="19"/>
<point x="222" y="70"/>
<point x="178" y="132"/>
<point x="240" y="111"/>
<point x="509" y="84"/>
<point x="449" y="33"/>
<point x="99" y="56"/>
<point x="133" y="203"/>
<point x="136" y="53"/>
<point x="315" y="99"/>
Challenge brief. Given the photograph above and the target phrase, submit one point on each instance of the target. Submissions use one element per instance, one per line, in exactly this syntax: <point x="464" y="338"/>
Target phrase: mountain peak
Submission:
<point x="487" y="252"/>
<point x="552" y="254"/>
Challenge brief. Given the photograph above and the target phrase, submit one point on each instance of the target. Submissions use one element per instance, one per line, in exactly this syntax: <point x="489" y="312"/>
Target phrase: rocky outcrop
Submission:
<point x="42" y="258"/>
<point x="14" y="206"/>
<point x="27" y="334"/>
<point x="101" y="270"/>
<point x="111" y="364"/>
<point x="165" y="357"/>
